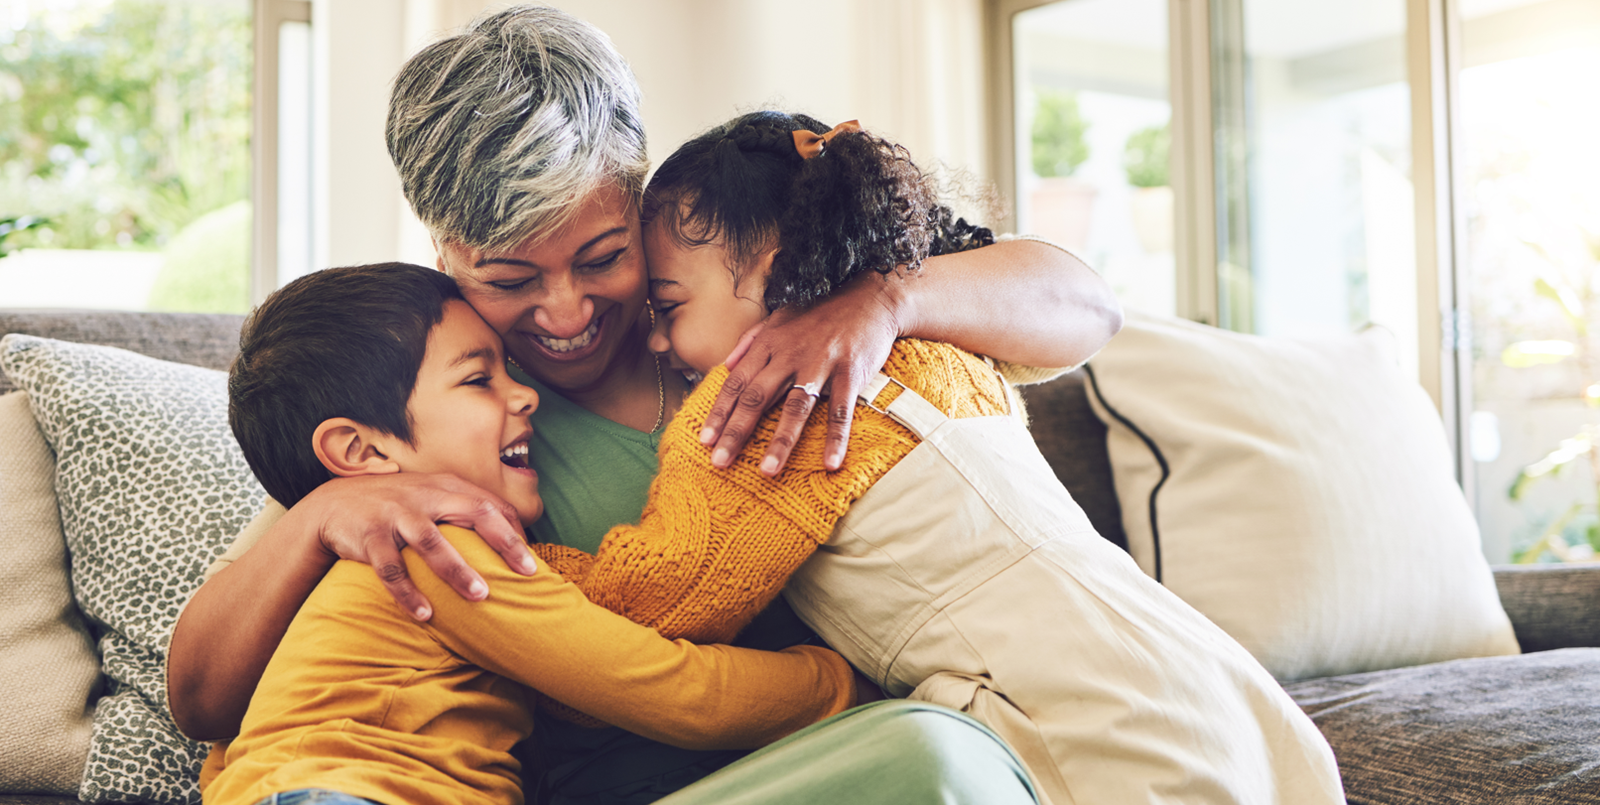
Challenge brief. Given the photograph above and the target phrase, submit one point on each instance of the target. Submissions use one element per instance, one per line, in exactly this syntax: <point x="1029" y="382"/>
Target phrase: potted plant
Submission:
<point x="1145" y="161"/>
<point x="1061" y="203"/>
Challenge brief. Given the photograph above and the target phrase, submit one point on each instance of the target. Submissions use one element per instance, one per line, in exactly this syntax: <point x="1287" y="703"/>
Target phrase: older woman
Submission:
<point x="519" y="144"/>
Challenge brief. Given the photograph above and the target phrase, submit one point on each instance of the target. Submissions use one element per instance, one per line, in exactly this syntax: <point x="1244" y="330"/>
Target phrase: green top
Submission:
<point x="593" y="473"/>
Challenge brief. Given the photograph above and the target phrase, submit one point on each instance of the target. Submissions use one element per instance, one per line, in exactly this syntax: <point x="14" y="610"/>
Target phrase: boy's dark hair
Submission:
<point x="345" y="342"/>
<point x="861" y="204"/>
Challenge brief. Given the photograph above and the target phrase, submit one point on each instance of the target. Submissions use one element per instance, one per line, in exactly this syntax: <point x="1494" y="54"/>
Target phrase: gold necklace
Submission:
<point x="661" y="397"/>
<point x="661" y="386"/>
<point x="661" y="390"/>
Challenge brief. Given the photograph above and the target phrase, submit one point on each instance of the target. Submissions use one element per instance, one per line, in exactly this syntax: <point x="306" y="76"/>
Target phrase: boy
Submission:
<point x="381" y="369"/>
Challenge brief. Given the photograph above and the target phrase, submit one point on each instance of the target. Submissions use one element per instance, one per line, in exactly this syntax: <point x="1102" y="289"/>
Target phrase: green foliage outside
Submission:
<point x="14" y="226"/>
<point x="1059" y="146"/>
<point x="205" y="271"/>
<point x="123" y="122"/>
<point x="1144" y="158"/>
<point x="1574" y="294"/>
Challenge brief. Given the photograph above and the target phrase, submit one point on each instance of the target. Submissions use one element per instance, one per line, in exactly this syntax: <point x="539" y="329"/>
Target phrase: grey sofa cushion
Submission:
<point x="1521" y="730"/>
<point x="201" y="339"/>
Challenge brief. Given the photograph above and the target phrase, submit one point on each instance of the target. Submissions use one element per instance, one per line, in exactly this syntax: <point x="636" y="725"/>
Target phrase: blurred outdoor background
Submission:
<point x="1292" y="168"/>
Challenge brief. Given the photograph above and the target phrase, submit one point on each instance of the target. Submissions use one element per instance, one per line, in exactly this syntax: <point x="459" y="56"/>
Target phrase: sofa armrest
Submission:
<point x="1551" y="606"/>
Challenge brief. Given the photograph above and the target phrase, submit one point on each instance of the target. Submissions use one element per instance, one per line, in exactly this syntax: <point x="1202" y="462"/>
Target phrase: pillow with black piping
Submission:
<point x="1300" y="493"/>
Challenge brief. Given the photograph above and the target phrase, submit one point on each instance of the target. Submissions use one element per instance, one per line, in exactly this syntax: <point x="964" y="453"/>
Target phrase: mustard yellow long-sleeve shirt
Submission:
<point x="361" y="699"/>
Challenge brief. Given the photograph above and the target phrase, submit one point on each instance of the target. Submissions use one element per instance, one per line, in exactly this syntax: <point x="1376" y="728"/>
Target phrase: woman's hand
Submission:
<point x="368" y="519"/>
<point x="835" y="346"/>
<point x="1020" y="301"/>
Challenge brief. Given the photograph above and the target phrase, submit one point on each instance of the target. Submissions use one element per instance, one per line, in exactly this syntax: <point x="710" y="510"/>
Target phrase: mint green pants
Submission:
<point x="894" y="752"/>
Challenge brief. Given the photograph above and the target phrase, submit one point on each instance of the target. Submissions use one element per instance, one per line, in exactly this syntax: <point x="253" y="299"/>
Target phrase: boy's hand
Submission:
<point x="369" y="519"/>
<point x="838" y="344"/>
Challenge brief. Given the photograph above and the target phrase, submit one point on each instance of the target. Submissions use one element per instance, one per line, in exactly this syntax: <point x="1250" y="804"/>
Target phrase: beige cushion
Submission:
<point x="1300" y="493"/>
<point x="48" y="667"/>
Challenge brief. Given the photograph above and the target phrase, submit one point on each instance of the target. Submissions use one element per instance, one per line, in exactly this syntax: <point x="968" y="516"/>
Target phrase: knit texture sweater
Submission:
<point x="714" y="547"/>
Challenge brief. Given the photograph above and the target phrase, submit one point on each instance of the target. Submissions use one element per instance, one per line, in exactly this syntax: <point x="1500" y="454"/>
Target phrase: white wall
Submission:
<point x="908" y="69"/>
<point x="358" y="48"/>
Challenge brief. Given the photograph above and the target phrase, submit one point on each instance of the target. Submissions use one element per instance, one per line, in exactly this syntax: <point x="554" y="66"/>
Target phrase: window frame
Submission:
<point x="267" y="17"/>
<point x="1433" y="63"/>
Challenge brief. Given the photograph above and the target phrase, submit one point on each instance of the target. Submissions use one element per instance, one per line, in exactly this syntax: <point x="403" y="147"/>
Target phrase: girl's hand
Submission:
<point x="838" y="345"/>
<point x="368" y="519"/>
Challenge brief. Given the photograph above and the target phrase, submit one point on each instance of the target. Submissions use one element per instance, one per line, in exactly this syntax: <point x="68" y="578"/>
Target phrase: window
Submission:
<point x="125" y="141"/>
<point x="1312" y="160"/>
<point x="1093" y="121"/>
<point x="1426" y="165"/>
<point x="1531" y="263"/>
<point x="126" y="134"/>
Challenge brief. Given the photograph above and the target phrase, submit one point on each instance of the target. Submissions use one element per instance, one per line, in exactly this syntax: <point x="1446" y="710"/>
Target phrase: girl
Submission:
<point x="953" y="567"/>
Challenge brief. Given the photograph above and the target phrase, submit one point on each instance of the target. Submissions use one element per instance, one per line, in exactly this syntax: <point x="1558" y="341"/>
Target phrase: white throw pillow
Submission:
<point x="48" y="668"/>
<point x="1300" y="493"/>
<point x="151" y="486"/>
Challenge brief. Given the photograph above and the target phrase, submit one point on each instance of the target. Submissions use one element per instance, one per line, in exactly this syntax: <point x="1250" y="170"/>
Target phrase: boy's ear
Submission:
<point x="347" y="448"/>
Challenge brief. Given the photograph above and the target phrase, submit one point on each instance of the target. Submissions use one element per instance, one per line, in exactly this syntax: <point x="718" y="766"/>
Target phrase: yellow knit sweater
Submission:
<point x="714" y="547"/>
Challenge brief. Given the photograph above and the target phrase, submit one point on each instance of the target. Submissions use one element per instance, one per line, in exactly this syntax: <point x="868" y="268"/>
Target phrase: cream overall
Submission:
<point x="967" y="576"/>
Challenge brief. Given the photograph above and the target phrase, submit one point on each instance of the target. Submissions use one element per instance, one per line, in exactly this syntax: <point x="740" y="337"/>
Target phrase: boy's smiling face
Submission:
<point x="468" y="417"/>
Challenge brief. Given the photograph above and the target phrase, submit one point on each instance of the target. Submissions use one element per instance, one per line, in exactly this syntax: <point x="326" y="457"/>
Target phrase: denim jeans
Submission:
<point x="314" y="796"/>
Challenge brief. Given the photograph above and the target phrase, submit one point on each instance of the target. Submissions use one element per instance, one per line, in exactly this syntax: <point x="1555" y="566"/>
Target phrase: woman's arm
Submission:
<point x="229" y="630"/>
<point x="598" y="662"/>
<point x="1020" y="301"/>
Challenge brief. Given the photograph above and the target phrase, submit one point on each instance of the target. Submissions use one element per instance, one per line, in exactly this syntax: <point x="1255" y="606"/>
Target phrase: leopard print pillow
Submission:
<point x="151" y="486"/>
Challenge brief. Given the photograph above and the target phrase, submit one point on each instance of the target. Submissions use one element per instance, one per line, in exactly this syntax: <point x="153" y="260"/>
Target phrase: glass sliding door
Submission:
<point x="1314" y="202"/>
<point x="1529" y="125"/>
<point x="1092" y="127"/>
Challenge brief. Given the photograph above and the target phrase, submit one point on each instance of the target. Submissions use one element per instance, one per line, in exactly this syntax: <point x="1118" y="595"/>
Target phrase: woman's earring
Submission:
<point x="652" y="309"/>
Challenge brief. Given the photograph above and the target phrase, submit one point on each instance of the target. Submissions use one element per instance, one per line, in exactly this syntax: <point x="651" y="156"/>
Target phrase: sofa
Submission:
<point x="1521" y="728"/>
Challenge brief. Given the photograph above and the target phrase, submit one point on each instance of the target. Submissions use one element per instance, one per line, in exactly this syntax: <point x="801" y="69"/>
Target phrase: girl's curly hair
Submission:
<point x="860" y="205"/>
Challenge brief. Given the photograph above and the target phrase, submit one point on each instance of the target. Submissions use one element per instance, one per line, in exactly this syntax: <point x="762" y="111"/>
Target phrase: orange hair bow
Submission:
<point x="810" y="143"/>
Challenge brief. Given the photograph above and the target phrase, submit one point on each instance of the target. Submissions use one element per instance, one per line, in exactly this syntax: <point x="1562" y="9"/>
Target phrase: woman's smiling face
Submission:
<point x="566" y="304"/>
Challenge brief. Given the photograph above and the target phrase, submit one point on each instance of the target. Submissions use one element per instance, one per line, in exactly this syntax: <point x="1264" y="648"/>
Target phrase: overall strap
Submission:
<point x="909" y="409"/>
<point x="1006" y="390"/>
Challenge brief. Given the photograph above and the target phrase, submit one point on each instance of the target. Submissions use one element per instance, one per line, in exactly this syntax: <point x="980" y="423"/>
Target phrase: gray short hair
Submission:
<point x="500" y="130"/>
